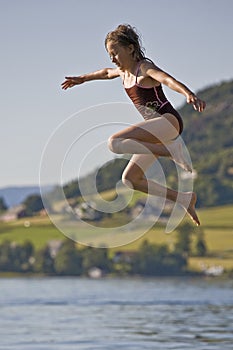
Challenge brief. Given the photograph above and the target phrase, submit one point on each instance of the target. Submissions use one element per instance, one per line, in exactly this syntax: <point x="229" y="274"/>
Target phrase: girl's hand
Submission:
<point x="198" y="104"/>
<point x="72" y="81"/>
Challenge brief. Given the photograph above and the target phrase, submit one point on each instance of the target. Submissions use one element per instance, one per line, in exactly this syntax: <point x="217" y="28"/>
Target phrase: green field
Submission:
<point x="217" y="224"/>
<point x="218" y="228"/>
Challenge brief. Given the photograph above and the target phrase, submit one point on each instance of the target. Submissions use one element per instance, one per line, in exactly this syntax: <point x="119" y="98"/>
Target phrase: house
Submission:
<point x="95" y="272"/>
<point x="86" y="211"/>
<point x="13" y="213"/>
<point x="124" y="256"/>
<point x="54" y="246"/>
<point x="150" y="210"/>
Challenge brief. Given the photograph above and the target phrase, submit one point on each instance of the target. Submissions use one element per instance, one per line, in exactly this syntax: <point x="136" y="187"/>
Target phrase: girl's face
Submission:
<point x="120" y="55"/>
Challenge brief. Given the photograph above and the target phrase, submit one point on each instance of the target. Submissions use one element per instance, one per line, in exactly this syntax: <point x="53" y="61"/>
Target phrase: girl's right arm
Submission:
<point x="106" y="73"/>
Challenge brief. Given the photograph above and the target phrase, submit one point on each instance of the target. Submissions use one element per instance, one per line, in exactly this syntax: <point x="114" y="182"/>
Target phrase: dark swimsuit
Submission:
<point x="151" y="101"/>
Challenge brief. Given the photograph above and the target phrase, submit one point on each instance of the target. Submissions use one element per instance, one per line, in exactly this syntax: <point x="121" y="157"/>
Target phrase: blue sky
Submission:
<point x="43" y="41"/>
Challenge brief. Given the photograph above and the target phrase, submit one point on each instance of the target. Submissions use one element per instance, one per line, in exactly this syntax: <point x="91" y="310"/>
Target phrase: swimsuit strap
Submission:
<point x="137" y="70"/>
<point x="138" y="67"/>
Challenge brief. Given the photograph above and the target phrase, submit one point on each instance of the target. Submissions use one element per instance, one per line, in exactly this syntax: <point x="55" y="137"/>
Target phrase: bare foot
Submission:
<point x="191" y="210"/>
<point x="190" y="206"/>
<point x="176" y="151"/>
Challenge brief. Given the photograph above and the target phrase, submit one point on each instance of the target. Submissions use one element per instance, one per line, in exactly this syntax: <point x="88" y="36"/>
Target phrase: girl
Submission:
<point x="157" y="134"/>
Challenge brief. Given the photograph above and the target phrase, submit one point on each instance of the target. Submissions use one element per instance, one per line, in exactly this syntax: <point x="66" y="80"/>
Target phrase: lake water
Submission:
<point x="110" y="314"/>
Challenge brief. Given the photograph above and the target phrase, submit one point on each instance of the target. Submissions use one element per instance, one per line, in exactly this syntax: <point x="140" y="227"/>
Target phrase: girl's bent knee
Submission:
<point x="114" y="144"/>
<point x="127" y="182"/>
<point x="130" y="180"/>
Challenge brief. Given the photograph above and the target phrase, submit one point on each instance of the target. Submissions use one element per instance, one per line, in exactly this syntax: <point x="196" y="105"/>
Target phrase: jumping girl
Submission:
<point x="157" y="134"/>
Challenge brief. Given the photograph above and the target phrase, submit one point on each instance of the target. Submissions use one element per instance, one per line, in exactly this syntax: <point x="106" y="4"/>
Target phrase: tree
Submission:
<point x="26" y="253"/>
<point x="72" y="189"/>
<point x="184" y="235"/>
<point x="96" y="257"/>
<point x="15" y="257"/>
<point x="146" y="262"/>
<point x="33" y="204"/>
<point x="201" y="248"/>
<point x="3" y="205"/>
<point x="68" y="260"/>
<point x="44" y="262"/>
<point x="156" y="260"/>
<point x="5" y="256"/>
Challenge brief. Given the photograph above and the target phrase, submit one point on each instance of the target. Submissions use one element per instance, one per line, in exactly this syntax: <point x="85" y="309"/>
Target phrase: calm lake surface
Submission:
<point x="129" y="314"/>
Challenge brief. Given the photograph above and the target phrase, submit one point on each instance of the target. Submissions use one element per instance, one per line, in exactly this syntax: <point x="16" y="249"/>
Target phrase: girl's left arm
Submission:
<point x="166" y="79"/>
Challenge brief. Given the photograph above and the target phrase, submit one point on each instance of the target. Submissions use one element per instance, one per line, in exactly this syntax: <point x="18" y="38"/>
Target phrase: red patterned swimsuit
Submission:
<point x="151" y="101"/>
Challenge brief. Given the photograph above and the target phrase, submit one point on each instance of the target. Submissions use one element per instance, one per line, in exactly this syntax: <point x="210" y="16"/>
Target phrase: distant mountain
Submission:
<point x="17" y="194"/>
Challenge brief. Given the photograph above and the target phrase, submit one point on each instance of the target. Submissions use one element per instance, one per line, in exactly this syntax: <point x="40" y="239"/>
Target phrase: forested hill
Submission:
<point x="210" y="131"/>
<point x="209" y="139"/>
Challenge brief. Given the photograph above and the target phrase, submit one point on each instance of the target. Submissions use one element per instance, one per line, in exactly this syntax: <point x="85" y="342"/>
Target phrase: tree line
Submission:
<point x="75" y="260"/>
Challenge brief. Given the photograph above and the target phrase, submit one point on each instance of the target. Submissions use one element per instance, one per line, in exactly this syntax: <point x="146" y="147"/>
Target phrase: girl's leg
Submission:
<point x="134" y="177"/>
<point x="153" y="136"/>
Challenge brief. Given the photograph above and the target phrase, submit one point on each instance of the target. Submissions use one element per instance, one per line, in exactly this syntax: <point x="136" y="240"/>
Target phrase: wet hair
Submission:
<point x="126" y="35"/>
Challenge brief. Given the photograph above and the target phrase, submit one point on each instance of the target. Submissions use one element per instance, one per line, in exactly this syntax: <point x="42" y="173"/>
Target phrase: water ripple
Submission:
<point x="80" y="314"/>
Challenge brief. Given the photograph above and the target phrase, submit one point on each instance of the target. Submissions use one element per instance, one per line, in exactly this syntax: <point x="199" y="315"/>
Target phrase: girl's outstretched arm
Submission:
<point x="106" y="73"/>
<point x="166" y="79"/>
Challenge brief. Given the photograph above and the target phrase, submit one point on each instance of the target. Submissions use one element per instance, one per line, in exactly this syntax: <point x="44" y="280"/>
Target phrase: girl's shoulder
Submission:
<point x="146" y="64"/>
